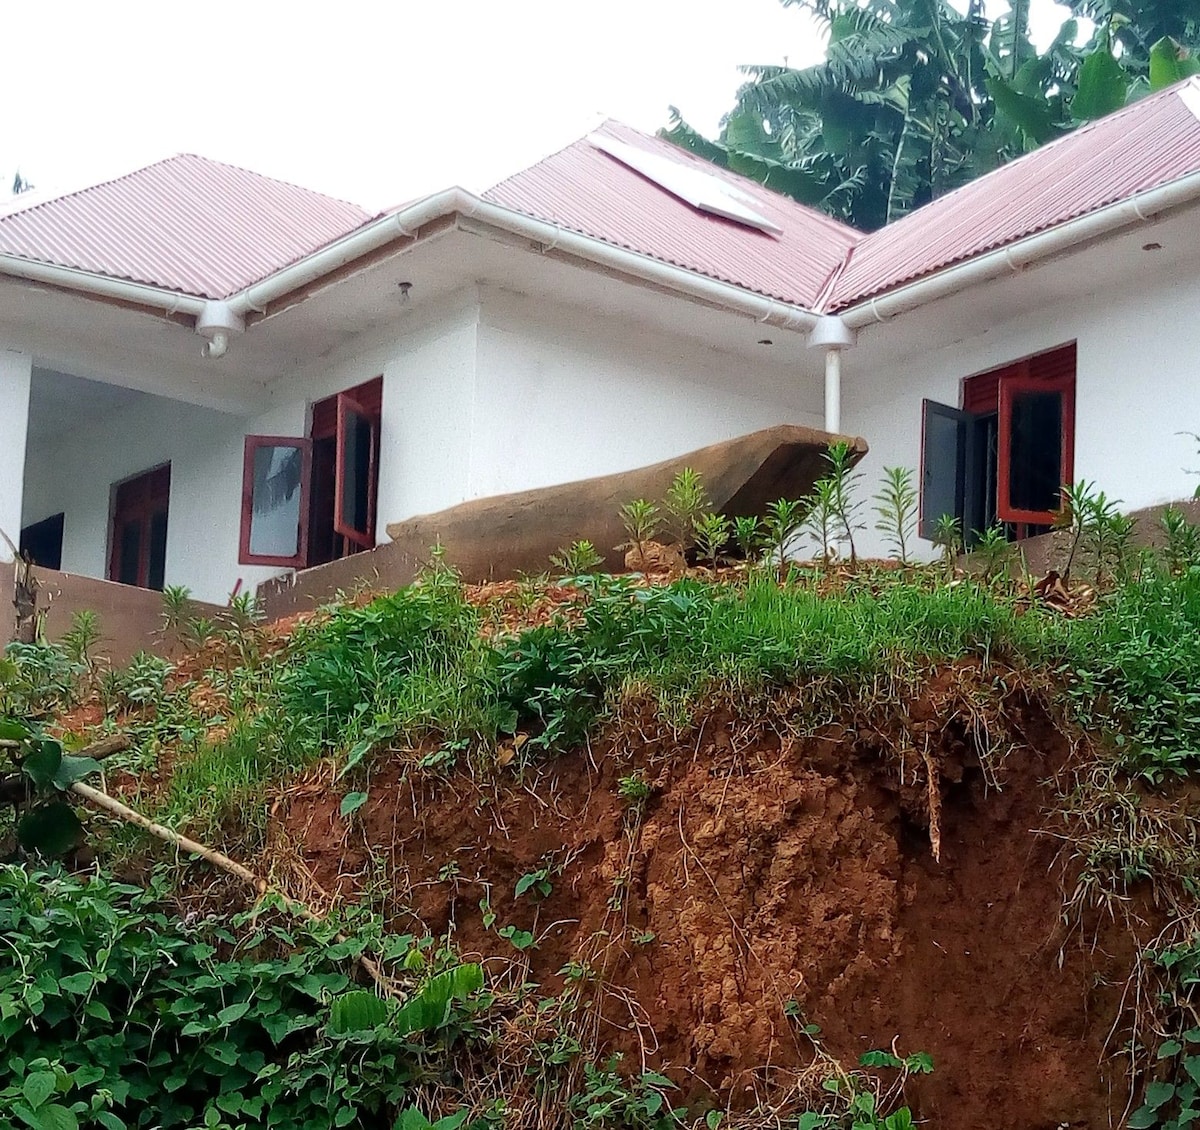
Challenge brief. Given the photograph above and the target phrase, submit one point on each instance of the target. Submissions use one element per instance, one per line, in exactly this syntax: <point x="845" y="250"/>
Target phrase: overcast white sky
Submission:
<point x="375" y="102"/>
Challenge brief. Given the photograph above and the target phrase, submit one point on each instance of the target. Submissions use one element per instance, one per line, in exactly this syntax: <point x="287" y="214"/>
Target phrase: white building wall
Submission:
<point x="1137" y="388"/>
<point x="479" y="398"/>
<point x="15" y="372"/>
<point x="75" y="474"/>
<point x="564" y="395"/>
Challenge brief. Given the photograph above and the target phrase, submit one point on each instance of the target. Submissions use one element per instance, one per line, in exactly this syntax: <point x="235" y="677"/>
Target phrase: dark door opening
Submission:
<point x="138" y="541"/>
<point x="42" y="542"/>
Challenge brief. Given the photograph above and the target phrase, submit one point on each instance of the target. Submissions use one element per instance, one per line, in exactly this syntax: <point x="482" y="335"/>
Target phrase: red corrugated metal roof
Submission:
<point x="209" y="229"/>
<point x="187" y="223"/>
<point x="588" y="191"/>
<point x="1150" y="143"/>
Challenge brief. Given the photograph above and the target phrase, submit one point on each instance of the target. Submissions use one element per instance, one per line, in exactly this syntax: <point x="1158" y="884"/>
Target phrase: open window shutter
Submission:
<point x="945" y="435"/>
<point x="355" y="475"/>
<point x="1036" y="442"/>
<point x="275" y="483"/>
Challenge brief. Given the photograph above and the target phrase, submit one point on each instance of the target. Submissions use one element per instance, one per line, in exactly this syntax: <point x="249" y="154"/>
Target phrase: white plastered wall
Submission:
<point x="562" y="394"/>
<point x="15" y="373"/>
<point x="1137" y="388"/>
<point x="491" y="392"/>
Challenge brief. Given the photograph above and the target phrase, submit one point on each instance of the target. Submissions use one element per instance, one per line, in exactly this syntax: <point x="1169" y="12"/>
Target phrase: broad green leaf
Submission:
<point x="76" y="983"/>
<point x="38" y="1087"/>
<point x="810" y="1121"/>
<point x="1032" y="114"/>
<point x="1191" y="1065"/>
<point x="879" y="1059"/>
<point x="11" y="731"/>
<point x="431" y="1006"/>
<point x="52" y="829"/>
<point x="73" y="769"/>
<point x="233" y="1012"/>
<point x="1142" y="1119"/>
<point x="109" y="1120"/>
<point x="357" y="1011"/>
<point x="352" y="802"/>
<point x="53" y="1116"/>
<point x="1102" y="86"/>
<point x="1158" y="1093"/>
<point x="411" y="1119"/>
<point x="43" y="762"/>
<point x="1169" y="1048"/>
<point x="357" y="752"/>
<point x="1170" y="62"/>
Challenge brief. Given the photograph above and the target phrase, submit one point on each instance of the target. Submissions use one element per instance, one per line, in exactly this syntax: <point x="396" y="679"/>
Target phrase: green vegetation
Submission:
<point x="255" y="1021"/>
<point x="915" y="98"/>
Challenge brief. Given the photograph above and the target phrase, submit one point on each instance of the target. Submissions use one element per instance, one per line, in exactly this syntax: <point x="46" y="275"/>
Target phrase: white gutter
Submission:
<point x="456" y="201"/>
<point x="1016" y="256"/>
<point x="169" y="301"/>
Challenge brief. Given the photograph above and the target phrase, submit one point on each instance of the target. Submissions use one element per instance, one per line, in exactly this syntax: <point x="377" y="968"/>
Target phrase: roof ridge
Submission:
<point x="274" y="179"/>
<point x="18" y="206"/>
<point x="575" y="140"/>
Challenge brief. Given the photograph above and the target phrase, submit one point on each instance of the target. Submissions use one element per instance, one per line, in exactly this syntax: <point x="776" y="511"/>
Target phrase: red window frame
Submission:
<point x="1035" y="375"/>
<point x="348" y="406"/>
<point x="245" y="556"/>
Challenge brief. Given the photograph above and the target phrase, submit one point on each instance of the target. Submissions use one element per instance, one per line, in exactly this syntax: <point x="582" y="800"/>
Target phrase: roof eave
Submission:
<point x="1040" y="247"/>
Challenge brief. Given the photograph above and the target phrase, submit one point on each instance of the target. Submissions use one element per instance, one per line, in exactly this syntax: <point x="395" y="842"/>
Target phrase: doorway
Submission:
<point x="138" y="541"/>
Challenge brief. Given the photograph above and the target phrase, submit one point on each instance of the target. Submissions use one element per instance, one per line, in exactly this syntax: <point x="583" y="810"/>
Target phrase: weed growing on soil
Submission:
<point x="896" y="510"/>
<point x="642" y="521"/>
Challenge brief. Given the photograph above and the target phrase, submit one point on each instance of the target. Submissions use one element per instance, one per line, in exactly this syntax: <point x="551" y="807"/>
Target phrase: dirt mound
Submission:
<point x="772" y="879"/>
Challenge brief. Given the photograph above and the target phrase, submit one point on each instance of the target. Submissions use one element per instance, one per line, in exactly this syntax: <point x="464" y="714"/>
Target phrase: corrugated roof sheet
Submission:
<point x="189" y="224"/>
<point x="588" y="191"/>
<point x="209" y="229"/>
<point x="1150" y="143"/>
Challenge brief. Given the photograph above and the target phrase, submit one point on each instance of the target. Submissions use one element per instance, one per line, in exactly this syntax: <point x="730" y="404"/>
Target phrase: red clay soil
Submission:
<point x="772" y="870"/>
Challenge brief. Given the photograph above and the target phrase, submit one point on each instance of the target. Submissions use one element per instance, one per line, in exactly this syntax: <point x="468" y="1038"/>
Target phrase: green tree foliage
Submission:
<point x="915" y="98"/>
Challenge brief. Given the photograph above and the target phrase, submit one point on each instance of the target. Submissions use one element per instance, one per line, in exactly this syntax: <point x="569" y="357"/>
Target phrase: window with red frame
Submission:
<point x="309" y="500"/>
<point x="1004" y="456"/>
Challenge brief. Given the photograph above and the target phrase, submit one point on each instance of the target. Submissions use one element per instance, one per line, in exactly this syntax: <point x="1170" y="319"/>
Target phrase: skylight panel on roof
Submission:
<point x="702" y="191"/>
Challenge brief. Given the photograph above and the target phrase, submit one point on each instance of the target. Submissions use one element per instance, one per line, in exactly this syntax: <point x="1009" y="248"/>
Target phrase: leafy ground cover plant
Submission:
<point x="115" y="1015"/>
<point x="47" y="823"/>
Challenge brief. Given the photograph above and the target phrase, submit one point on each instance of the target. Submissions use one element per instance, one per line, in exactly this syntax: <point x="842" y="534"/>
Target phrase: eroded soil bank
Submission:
<point x="773" y="878"/>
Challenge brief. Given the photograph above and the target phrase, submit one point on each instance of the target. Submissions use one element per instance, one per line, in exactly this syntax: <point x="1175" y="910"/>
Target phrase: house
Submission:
<point x="208" y="376"/>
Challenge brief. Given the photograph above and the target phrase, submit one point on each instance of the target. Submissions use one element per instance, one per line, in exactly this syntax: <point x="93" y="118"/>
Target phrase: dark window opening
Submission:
<point x="138" y="545"/>
<point x="1002" y="459"/>
<point x="42" y="542"/>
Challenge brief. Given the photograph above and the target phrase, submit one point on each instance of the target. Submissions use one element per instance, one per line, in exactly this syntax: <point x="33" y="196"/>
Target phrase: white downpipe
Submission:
<point x="833" y="391"/>
<point x="68" y="278"/>
<point x="458" y="201"/>
<point x="1016" y="256"/>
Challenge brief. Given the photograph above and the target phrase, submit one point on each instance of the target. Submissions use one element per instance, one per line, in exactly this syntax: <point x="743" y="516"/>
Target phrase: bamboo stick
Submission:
<point x="221" y="860"/>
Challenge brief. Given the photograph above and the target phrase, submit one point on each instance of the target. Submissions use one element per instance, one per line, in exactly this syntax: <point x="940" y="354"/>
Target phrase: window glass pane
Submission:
<point x="1035" y="454"/>
<point x="156" y="571"/>
<point x="275" y="502"/>
<point x="355" y="455"/>
<point x="129" y="552"/>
